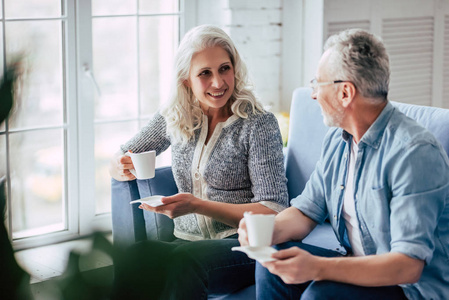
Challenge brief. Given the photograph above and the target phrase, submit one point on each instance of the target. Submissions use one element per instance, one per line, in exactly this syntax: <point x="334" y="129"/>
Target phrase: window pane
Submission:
<point x="32" y="8"/>
<point x="40" y="100"/>
<point x="158" y="40"/>
<point x="37" y="180"/>
<point x="108" y="138"/>
<point x="115" y="67"/>
<point x="113" y="7"/>
<point x="158" y="6"/>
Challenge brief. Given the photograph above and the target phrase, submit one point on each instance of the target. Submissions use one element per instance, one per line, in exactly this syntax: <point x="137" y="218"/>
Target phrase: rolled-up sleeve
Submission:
<point x="419" y="197"/>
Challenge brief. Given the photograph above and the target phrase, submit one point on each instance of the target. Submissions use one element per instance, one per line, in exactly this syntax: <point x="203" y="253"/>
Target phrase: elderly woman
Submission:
<point x="226" y="159"/>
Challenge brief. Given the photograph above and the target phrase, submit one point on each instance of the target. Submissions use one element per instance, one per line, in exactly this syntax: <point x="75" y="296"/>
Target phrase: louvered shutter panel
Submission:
<point x="336" y="27"/>
<point x="446" y="64"/>
<point x="409" y="42"/>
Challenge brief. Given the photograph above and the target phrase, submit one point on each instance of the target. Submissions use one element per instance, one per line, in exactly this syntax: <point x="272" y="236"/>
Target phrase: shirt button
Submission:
<point x="342" y="187"/>
<point x="335" y="217"/>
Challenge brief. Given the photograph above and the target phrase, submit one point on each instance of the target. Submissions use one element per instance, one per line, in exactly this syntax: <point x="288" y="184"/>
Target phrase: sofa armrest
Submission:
<point x="131" y="224"/>
<point x="128" y="224"/>
<point x="158" y="226"/>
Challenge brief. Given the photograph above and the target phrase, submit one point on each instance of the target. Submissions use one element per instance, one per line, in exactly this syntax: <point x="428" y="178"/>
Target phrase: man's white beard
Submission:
<point x="334" y="120"/>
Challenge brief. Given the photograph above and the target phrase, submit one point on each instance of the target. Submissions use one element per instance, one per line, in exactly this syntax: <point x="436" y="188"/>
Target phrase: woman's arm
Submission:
<point x="262" y="138"/>
<point x="151" y="137"/>
<point x="119" y="167"/>
<point x="185" y="203"/>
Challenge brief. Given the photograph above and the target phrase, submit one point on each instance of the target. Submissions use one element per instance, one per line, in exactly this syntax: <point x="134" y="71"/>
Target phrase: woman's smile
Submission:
<point x="211" y="77"/>
<point x="218" y="94"/>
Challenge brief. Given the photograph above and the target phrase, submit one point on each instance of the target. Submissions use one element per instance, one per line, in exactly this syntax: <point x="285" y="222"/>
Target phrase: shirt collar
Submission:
<point x="373" y="135"/>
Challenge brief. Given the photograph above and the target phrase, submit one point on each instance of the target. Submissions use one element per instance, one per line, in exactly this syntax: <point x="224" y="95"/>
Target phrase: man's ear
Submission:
<point x="347" y="93"/>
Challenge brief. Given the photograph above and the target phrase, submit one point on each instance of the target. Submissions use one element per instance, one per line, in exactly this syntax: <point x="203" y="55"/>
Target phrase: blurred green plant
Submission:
<point x="14" y="281"/>
<point x="7" y="90"/>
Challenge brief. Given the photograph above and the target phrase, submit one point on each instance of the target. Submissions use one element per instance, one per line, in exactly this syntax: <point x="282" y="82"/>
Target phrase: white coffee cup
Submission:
<point x="259" y="228"/>
<point x="144" y="164"/>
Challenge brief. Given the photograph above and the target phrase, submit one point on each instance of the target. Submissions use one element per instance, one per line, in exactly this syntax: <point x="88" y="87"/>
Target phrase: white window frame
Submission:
<point x="79" y="190"/>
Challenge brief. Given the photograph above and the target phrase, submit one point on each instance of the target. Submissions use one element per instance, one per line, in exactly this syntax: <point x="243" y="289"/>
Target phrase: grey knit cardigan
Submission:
<point x="241" y="163"/>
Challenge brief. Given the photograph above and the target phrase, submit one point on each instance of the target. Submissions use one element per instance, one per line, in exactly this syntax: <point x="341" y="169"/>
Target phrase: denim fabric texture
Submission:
<point x="270" y="286"/>
<point x="401" y="194"/>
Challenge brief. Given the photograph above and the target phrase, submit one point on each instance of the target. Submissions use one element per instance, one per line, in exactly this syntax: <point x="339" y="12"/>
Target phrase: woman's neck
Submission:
<point x="217" y="114"/>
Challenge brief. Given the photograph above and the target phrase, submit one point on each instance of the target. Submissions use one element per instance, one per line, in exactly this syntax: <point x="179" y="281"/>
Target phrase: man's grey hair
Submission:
<point x="360" y="57"/>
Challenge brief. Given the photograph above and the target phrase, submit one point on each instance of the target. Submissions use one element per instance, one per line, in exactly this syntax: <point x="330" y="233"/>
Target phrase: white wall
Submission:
<point x="282" y="41"/>
<point x="256" y="28"/>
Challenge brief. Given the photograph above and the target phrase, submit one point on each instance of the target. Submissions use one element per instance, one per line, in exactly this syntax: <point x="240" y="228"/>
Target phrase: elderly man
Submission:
<point x="382" y="179"/>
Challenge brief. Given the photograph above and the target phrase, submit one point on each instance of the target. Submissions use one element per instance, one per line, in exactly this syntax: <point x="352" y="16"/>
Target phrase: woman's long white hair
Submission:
<point x="183" y="113"/>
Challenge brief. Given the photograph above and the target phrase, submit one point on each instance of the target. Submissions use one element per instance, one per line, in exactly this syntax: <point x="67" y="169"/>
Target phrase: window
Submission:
<point x="94" y="72"/>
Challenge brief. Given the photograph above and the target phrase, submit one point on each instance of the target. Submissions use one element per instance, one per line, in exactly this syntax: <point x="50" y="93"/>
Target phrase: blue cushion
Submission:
<point x="307" y="132"/>
<point x="158" y="226"/>
<point x="127" y="220"/>
<point x="435" y="119"/>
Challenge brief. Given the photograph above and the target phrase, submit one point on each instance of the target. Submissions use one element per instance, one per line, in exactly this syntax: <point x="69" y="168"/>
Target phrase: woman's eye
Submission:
<point x="204" y="73"/>
<point x="225" y="68"/>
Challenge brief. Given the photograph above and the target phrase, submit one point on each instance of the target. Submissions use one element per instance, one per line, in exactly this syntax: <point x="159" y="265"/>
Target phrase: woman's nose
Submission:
<point x="217" y="81"/>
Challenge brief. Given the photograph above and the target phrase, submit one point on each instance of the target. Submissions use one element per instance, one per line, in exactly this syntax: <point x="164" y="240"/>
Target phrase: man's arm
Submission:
<point x="295" y="265"/>
<point x="291" y="225"/>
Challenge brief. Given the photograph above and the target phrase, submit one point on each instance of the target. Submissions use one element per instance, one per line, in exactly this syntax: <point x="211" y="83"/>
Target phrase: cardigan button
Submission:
<point x="197" y="175"/>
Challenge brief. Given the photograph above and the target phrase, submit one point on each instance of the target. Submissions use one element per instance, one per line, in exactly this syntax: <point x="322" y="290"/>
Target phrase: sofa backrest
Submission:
<point x="307" y="132"/>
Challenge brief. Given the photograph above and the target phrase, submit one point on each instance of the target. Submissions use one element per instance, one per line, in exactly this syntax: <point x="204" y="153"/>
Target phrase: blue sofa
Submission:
<point x="131" y="224"/>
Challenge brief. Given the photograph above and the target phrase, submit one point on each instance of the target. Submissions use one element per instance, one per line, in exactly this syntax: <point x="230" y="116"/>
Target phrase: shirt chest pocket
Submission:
<point x="375" y="206"/>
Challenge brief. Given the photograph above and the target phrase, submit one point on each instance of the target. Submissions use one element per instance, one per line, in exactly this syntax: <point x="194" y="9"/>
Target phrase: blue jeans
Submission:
<point x="183" y="270"/>
<point x="270" y="286"/>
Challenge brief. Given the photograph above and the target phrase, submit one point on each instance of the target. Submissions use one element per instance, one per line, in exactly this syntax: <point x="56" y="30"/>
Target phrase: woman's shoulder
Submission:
<point x="259" y="117"/>
<point x="257" y="123"/>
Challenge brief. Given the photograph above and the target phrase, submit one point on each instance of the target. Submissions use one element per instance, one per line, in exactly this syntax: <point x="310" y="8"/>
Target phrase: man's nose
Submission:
<point x="314" y="94"/>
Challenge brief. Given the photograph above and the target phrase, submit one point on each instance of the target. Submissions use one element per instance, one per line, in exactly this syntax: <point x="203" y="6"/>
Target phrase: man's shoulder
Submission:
<point x="405" y="132"/>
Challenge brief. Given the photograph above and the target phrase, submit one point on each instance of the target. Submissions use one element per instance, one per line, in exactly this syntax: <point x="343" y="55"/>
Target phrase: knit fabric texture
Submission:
<point x="241" y="163"/>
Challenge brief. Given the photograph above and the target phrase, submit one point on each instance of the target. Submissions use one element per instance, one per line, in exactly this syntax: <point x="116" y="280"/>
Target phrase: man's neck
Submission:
<point x="361" y="115"/>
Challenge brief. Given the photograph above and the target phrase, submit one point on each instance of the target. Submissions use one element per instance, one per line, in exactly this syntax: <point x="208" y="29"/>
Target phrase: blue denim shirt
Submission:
<point x="401" y="194"/>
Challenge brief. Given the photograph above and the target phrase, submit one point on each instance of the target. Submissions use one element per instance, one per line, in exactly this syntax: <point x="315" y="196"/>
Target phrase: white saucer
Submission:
<point x="153" y="201"/>
<point x="261" y="254"/>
